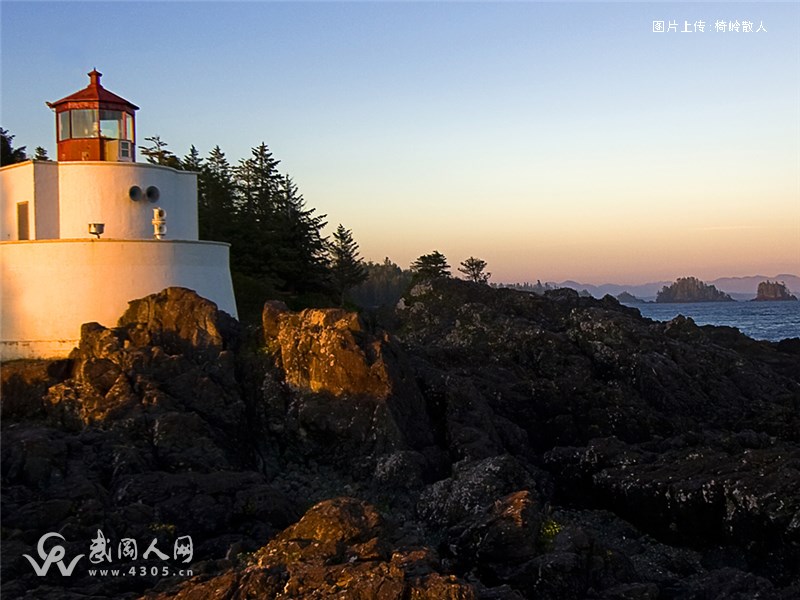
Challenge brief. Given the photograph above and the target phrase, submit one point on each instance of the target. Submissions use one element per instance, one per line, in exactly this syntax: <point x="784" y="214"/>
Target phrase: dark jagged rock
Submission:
<point x="181" y="322"/>
<point x="473" y="487"/>
<point x="565" y="369"/>
<point x="734" y="490"/>
<point x="137" y="439"/>
<point x="488" y="444"/>
<point x="572" y="371"/>
<point x="25" y="383"/>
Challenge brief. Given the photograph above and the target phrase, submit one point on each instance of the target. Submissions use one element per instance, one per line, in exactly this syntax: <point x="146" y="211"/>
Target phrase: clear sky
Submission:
<point x="554" y="140"/>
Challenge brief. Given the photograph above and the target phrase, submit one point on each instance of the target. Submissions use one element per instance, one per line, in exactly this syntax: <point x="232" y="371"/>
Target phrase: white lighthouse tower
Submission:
<point x="82" y="236"/>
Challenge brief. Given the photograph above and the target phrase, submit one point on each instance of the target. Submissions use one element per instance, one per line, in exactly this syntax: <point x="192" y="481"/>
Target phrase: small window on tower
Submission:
<point x="22" y="221"/>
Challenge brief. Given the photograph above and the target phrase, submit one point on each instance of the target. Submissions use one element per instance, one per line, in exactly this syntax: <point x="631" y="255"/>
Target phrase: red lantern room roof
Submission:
<point x="94" y="95"/>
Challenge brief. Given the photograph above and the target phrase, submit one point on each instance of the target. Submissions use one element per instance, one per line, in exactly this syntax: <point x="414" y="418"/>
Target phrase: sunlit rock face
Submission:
<point x="341" y="548"/>
<point x="327" y="350"/>
<point x="351" y="385"/>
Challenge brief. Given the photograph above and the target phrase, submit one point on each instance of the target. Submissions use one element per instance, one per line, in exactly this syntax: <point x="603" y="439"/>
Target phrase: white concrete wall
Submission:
<point x="50" y="288"/>
<point x="46" y="209"/>
<point x="97" y="192"/>
<point x="16" y="185"/>
<point x="70" y="195"/>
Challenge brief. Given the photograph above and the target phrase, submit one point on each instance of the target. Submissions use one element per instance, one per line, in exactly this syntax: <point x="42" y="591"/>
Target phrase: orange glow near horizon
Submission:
<point x="605" y="246"/>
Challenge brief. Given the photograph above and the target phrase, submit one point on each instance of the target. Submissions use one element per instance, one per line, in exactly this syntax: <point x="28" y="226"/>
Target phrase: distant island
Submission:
<point x="628" y="298"/>
<point x="691" y="289"/>
<point x="773" y="290"/>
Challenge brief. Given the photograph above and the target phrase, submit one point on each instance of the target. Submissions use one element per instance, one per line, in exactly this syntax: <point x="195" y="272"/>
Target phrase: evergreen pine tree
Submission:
<point x="215" y="190"/>
<point x="277" y="244"/>
<point x="40" y="154"/>
<point x="257" y="246"/>
<point x="431" y="266"/>
<point x="347" y="268"/>
<point x="158" y="154"/>
<point x="278" y="240"/>
<point x="8" y="154"/>
<point x="301" y="248"/>
<point x="258" y="181"/>
<point x="475" y="270"/>
<point x="192" y="161"/>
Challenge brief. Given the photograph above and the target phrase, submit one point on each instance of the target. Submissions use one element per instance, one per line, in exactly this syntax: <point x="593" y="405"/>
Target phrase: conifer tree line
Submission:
<point x="277" y="245"/>
<point x="10" y="155"/>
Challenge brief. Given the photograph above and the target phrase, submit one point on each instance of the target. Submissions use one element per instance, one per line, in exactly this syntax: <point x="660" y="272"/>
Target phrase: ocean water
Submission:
<point x="772" y="321"/>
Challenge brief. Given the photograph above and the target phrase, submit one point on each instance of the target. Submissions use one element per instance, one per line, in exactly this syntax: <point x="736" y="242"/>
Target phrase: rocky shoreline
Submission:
<point x="475" y="443"/>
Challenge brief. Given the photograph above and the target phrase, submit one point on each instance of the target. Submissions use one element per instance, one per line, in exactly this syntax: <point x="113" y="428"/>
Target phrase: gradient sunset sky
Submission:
<point x="554" y="140"/>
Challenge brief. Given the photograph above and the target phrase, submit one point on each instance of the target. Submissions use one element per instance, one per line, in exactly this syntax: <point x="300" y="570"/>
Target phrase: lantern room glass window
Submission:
<point x="92" y="123"/>
<point x="128" y="131"/>
<point x="111" y="124"/>
<point x="63" y="126"/>
<point x="84" y="123"/>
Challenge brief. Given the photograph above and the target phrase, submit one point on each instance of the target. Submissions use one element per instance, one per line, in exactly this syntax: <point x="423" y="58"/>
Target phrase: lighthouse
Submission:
<point x="95" y="124"/>
<point x="82" y="236"/>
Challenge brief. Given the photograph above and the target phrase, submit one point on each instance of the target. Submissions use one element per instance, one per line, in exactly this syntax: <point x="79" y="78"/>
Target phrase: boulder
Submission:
<point x="339" y="548"/>
<point x="353" y="389"/>
<point x="327" y="350"/>
<point x="474" y="487"/>
<point x="181" y="322"/>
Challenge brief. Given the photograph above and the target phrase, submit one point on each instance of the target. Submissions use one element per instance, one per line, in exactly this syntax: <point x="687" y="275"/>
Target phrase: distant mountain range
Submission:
<point x="740" y="288"/>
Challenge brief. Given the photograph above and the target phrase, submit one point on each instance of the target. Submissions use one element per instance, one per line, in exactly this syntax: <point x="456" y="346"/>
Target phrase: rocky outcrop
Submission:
<point x="514" y="372"/>
<point x="563" y="368"/>
<point x="691" y="289"/>
<point x="770" y="291"/>
<point x="327" y="350"/>
<point x="181" y="322"/>
<point x="173" y="350"/>
<point x="143" y="433"/>
<point x="480" y="443"/>
<point x="628" y="298"/>
<point x="339" y="548"/>
<point x="353" y="388"/>
<point x="704" y="490"/>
